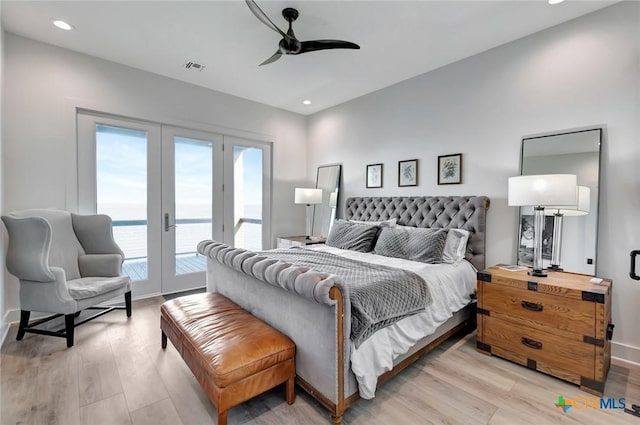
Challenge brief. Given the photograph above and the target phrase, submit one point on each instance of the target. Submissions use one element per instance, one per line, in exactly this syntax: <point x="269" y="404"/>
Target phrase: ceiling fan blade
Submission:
<point x="273" y="58"/>
<point x="310" y="46"/>
<point x="255" y="9"/>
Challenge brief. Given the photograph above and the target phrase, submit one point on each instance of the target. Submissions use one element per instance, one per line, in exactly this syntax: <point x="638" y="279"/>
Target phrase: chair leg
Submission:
<point x="164" y="340"/>
<point x="69" y="327"/>
<point x="24" y="322"/>
<point x="127" y="302"/>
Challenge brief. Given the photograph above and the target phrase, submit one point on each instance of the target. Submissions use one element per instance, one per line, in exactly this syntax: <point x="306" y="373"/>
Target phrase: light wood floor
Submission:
<point x="117" y="374"/>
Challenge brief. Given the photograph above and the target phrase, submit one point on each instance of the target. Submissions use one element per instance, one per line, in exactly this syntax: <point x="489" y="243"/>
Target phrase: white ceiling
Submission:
<point x="398" y="40"/>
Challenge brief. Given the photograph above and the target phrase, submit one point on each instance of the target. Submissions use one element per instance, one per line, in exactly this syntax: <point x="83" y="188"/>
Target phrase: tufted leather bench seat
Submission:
<point x="233" y="355"/>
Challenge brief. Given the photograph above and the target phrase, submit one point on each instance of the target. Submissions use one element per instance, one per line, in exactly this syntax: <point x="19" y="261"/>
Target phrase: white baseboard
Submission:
<point x="625" y="352"/>
<point x="5" y="328"/>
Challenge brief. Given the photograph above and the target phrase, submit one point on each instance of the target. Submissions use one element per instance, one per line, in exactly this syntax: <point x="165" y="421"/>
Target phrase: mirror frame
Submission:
<point x="338" y="188"/>
<point x="601" y="134"/>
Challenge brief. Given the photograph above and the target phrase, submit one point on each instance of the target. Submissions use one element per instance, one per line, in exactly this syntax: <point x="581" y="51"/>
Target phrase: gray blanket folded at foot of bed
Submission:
<point x="380" y="295"/>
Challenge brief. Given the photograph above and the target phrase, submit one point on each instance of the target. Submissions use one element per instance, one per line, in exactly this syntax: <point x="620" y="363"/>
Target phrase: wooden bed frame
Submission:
<point x="249" y="292"/>
<point x="337" y="409"/>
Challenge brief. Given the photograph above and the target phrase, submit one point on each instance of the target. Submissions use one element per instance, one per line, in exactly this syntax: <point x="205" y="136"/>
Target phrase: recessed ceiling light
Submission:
<point x="307" y="102"/>
<point x="63" y="25"/>
<point x="555" y="1"/>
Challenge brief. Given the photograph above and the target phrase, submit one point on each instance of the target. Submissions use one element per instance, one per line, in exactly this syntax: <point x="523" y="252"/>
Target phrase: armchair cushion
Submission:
<point x="95" y="233"/>
<point x="88" y="287"/>
<point x="107" y="265"/>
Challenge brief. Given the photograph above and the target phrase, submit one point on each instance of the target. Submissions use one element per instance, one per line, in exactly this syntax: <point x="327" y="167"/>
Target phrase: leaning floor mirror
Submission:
<point x="576" y="229"/>
<point x="327" y="179"/>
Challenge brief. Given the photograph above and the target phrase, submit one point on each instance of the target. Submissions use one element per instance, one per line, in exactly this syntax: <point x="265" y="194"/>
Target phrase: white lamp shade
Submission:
<point x="542" y="190"/>
<point x="333" y="199"/>
<point x="581" y="207"/>
<point x="308" y="196"/>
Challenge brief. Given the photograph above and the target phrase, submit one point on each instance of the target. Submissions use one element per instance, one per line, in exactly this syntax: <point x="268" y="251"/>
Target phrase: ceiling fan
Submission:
<point x="290" y="45"/>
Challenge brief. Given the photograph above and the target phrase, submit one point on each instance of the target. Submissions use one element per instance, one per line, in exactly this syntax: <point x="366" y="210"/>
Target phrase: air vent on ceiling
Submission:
<point x="192" y="65"/>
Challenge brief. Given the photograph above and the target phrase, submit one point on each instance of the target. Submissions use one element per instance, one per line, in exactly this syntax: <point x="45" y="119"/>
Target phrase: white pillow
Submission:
<point x="455" y="247"/>
<point x="385" y="223"/>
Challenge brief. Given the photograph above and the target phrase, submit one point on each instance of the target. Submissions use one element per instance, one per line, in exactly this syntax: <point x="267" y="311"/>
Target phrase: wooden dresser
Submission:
<point x="559" y="325"/>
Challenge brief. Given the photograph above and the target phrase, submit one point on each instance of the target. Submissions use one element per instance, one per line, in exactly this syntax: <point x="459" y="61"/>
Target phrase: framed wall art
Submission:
<point x="450" y="169"/>
<point x="408" y="172"/>
<point x="374" y="176"/>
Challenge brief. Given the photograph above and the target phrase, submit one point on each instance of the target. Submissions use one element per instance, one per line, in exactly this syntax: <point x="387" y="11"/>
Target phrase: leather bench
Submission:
<point x="233" y="355"/>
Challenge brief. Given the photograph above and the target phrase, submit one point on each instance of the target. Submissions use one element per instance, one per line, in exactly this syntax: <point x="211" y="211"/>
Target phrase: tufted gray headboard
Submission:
<point x="439" y="212"/>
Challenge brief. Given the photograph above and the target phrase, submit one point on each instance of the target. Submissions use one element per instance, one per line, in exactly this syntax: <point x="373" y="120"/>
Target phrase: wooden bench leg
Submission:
<point x="164" y="340"/>
<point x="291" y="390"/>
<point x="222" y="418"/>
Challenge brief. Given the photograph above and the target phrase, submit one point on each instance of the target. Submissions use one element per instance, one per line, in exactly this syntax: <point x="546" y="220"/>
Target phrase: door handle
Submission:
<point x="167" y="226"/>
<point x="632" y="272"/>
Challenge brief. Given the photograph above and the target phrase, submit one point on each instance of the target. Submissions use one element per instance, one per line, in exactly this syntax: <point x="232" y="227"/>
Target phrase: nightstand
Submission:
<point x="559" y="325"/>
<point x="291" y="241"/>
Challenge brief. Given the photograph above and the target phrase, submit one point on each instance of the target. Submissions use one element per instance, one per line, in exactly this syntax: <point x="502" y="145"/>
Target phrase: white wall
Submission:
<point x="580" y="73"/>
<point x="3" y="308"/>
<point x="45" y="83"/>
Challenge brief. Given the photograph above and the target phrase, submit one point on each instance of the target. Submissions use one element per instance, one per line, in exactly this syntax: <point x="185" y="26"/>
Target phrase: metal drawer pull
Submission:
<point x="531" y="343"/>
<point x="531" y="306"/>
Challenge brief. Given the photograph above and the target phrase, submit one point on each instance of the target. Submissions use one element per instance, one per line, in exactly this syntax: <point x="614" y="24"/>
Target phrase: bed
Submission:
<point x="312" y="307"/>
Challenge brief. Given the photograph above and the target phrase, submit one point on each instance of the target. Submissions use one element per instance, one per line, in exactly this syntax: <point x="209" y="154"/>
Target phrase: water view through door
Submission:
<point x="121" y="192"/>
<point x="192" y="163"/>
<point x="168" y="188"/>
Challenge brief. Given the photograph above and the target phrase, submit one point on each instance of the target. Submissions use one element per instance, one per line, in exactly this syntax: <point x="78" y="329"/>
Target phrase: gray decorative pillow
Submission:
<point x="415" y="244"/>
<point x="353" y="236"/>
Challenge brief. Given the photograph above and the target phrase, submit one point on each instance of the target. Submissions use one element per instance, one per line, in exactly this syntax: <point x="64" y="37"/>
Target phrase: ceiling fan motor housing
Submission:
<point x="290" y="14"/>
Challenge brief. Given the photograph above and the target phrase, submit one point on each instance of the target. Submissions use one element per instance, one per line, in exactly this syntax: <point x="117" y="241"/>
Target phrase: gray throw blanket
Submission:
<point x="380" y="295"/>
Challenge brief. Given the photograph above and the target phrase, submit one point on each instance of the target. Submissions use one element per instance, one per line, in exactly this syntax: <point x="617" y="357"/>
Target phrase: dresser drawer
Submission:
<point x="551" y="349"/>
<point x="550" y="310"/>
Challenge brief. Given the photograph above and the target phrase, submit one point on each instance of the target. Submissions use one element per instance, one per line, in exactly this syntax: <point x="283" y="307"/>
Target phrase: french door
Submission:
<point x="166" y="189"/>
<point x="192" y="204"/>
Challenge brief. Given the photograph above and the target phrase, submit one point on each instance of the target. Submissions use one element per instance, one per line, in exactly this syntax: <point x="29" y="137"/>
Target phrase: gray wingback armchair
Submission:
<point x="66" y="263"/>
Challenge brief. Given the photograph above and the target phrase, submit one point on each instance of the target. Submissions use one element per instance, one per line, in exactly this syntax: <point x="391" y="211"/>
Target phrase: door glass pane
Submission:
<point x="193" y="201"/>
<point x="121" y="177"/>
<point x="247" y="197"/>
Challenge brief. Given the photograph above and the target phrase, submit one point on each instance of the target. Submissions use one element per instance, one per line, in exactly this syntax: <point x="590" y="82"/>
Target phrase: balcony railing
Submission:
<point x="131" y="235"/>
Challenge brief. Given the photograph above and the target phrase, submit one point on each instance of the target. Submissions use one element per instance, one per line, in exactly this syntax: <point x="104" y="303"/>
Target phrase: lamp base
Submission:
<point x="555" y="268"/>
<point x="538" y="273"/>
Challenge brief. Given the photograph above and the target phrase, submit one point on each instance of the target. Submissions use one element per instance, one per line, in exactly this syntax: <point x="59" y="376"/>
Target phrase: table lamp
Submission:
<point x="581" y="208"/>
<point x="538" y="191"/>
<point x="308" y="197"/>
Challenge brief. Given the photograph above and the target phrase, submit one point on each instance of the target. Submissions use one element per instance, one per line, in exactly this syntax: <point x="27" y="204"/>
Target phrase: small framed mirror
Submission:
<point x="571" y="152"/>
<point x="327" y="179"/>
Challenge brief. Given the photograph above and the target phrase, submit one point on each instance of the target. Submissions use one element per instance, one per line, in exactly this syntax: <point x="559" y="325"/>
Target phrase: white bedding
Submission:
<point x="451" y="286"/>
